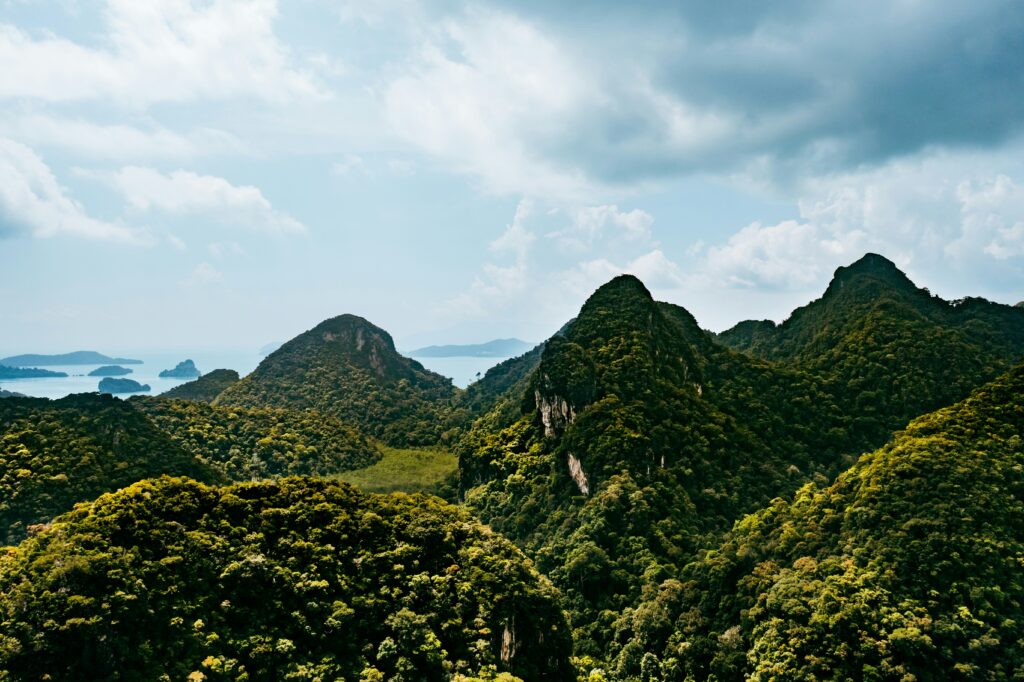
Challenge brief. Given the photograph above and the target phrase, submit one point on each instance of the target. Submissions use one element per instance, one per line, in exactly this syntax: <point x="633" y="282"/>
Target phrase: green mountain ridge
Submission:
<point x="206" y="388"/>
<point x="291" y="580"/>
<point x="348" y="368"/>
<point x="907" y="567"/>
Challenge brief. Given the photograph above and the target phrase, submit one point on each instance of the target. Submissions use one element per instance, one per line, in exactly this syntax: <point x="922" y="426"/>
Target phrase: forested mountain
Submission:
<point x="889" y="350"/>
<point x="246" y="444"/>
<point x="636" y="441"/>
<point x="908" y="567"/>
<point x="298" y="579"/>
<point x="348" y="368"/>
<point x="56" y="453"/>
<point x="206" y="388"/>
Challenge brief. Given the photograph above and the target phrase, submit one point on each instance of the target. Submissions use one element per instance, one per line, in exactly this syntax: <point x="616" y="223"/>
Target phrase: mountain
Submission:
<point x="7" y="372"/>
<point x="635" y="440"/>
<point x="206" y="388"/>
<point x="110" y="371"/>
<point x="56" y="453"/>
<point x="80" y="357"/>
<point x="11" y="394"/>
<point x="889" y="350"/>
<point x="499" y="348"/>
<point x="186" y="369"/>
<point x="247" y="444"/>
<point x="299" y="579"/>
<point x="348" y="368"/>
<point x="907" y="567"/>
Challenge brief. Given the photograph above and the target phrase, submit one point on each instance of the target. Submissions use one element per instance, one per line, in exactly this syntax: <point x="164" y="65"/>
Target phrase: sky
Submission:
<point x="228" y="173"/>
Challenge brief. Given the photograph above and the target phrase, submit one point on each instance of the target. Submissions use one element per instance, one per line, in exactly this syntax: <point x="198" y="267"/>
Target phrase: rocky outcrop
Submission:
<point x="184" y="370"/>
<point x="556" y="413"/>
<point x="579" y="476"/>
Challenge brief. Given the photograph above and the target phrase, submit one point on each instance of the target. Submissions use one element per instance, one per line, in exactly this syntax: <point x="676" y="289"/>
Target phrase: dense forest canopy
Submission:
<point x="204" y="389"/>
<point x="292" y="580"/>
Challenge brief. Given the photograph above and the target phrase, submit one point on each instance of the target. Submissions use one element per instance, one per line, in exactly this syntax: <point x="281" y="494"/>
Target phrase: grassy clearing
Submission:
<point x="407" y="470"/>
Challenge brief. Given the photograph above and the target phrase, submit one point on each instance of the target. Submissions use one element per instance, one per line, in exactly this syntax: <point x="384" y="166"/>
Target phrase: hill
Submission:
<point x="79" y="357"/>
<point x="206" y="388"/>
<point x="889" y="350"/>
<point x="54" y="454"/>
<point x="110" y="371"/>
<point x="299" y="579"/>
<point x="499" y="348"/>
<point x="349" y="368"/>
<point x="907" y="567"/>
<point x="636" y="440"/>
<point x="7" y="372"/>
<point x="246" y="444"/>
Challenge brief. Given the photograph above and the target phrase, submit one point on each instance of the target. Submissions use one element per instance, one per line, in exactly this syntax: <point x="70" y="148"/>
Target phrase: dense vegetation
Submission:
<point x="424" y="470"/>
<point x="348" y="368"/>
<point x="54" y="454"/>
<point x="888" y="350"/>
<point x="637" y="441"/>
<point x="247" y="444"/>
<point x="908" y="567"/>
<point x="206" y="388"/>
<point x="299" y="579"/>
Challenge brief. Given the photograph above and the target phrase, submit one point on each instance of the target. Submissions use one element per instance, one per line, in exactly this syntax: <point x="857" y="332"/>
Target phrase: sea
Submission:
<point x="462" y="371"/>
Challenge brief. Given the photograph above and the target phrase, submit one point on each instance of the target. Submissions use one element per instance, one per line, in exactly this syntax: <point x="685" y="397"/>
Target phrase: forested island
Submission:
<point x="27" y="373"/>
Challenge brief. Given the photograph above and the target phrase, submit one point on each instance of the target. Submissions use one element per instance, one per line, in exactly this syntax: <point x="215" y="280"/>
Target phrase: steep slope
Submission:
<point x="246" y="444"/>
<point x="908" y="567"/>
<point x="56" y="453"/>
<point x="348" y="368"/>
<point x="299" y="579"/>
<point x="637" y="440"/>
<point x="206" y="388"/>
<point x="889" y="350"/>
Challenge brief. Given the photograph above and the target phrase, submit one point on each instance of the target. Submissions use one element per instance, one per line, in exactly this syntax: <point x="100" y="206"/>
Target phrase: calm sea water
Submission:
<point x="462" y="371"/>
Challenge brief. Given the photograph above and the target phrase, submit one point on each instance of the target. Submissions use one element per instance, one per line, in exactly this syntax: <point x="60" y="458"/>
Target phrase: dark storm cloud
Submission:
<point x="817" y="86"/>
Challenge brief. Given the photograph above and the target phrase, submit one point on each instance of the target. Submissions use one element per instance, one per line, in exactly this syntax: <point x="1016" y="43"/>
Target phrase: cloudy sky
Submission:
<point x="225" y="173"/>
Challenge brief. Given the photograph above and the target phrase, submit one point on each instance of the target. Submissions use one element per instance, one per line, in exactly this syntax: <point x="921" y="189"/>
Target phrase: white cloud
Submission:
<point x="33" y="202"/>
<point x="117" y="141"/>
<point x="594" y="224"/>
<point x="158" y="51"/>
<point x="204" y="275"/>
<point x="186" y="193"/>
<point x="223" y="249"/>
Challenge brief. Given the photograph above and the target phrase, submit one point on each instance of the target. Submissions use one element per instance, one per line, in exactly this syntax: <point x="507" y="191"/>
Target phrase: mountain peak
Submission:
<point x="875" y="266"/>
<point x="352" y="329"/>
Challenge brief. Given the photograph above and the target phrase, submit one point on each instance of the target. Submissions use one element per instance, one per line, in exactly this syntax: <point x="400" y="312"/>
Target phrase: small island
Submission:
<point x="11" y="394"/>
<point x="27" y="373"/>
<point x="109" y="385"/>
<point x="184" y="370"/>
<point x="110" y="371"/>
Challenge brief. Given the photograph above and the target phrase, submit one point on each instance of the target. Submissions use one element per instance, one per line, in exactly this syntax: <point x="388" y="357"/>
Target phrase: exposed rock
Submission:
<point x="579" y="476"/>
<point x="556" y="413"/>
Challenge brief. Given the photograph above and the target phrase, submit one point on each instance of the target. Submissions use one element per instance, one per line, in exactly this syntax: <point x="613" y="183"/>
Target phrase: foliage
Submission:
<point x="204" y="389"/>
<point x="908" y="567"/>
<point x="672" y="437"/>
<point x="348" y="368"/>
<point x="247" y="444"/>
<point x="54" y="454"/>
<point x="888" y="350"/>
<point x="406" y="470"/>
<point x="297" y="579"/>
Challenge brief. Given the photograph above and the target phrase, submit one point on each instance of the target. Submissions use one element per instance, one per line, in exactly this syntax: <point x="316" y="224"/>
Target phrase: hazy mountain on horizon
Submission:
<point x="78" y="357"/>
<point x="498" y="348"/>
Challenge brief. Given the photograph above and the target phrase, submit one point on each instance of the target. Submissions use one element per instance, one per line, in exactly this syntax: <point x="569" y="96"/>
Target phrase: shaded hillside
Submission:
<point x="299" y="579"/>
<point x="889" y="350"/>
<point x="907" y="567"/>
<point x="246" y="444"/>
<point x="637" y="440"/>
<point x="348" y="368"/>
<point x="206" y="388"/>
<point x="56" y="453"/>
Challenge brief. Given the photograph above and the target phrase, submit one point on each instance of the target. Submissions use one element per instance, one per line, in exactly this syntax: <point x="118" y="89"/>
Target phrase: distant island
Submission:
<point x="7" y="372"/>
<point x="109" y="385"/>
<point x="79" y="357"/>
<point x="11" y="394"/>
<point x="110" y="371"/>
<point x="184" y="370"/>
<point x="269" y="348"/>
<point x="499" y="348"/>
